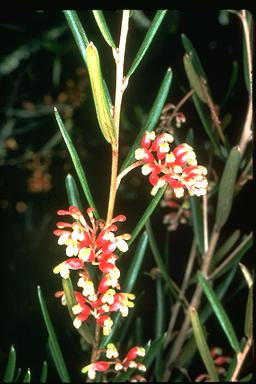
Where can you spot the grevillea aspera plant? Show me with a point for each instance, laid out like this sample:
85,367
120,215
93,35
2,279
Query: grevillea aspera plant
95,288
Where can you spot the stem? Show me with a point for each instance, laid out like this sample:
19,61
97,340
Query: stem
241,358
184,285
119,59
182,101
127,170
195,302
247,132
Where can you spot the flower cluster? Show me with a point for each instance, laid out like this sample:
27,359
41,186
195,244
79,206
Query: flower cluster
93,244
112,354
178,168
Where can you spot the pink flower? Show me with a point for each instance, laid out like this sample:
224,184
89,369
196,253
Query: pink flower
178,168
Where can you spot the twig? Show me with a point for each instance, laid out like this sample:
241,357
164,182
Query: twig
182,101
247,132
195,302
205,222
127,170
119,58
184,285
240,359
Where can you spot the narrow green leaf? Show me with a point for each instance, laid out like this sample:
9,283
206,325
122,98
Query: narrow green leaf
138,331
232,83
10,367
130,280
71,301
220,291
225,248
53,341
159,325
197,221
17,376
193,77
202,345
220,312
147,40
153,350
233,258
135,265
153,117
247,379
101,22
248,323
100,97
76,162
44,372
159,261
27,377
78,32
206,121
187,353
190,50
72,192
159,319
227,186
146,215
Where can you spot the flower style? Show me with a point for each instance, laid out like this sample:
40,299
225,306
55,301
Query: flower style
93,244
178,168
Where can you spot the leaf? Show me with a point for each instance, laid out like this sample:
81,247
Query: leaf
78,32
197,222
159,325
53,341
147,40
27,377
76,162
129,281
247,275
220,291
225,248
227,187
248,322
10,368
202,345
146,215
206,121
194,80
233,258
232,82
135,265
18,374
159,261
190,50
72,192
220,312
44,372
101,22
153,116
138,331
100,97
71,301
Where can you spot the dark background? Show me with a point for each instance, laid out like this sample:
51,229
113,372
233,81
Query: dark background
43,69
